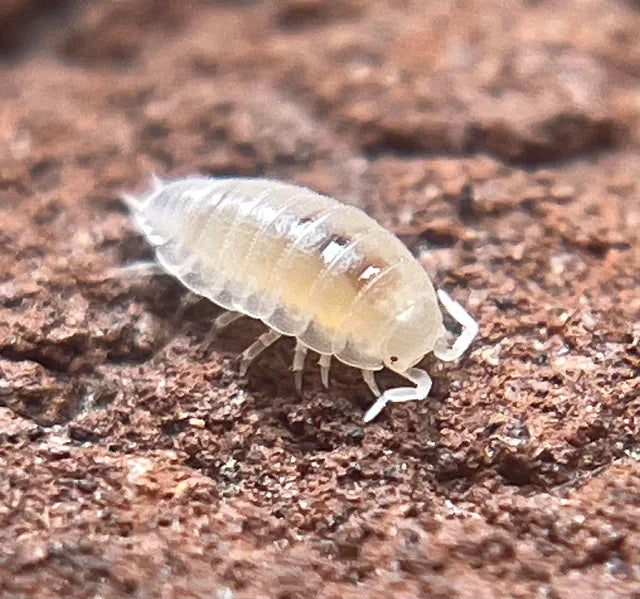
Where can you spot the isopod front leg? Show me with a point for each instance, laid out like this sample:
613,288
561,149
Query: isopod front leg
399,394
256,348
299,356
325,364
370,379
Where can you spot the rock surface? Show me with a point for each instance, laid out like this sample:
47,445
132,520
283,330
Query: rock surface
499,140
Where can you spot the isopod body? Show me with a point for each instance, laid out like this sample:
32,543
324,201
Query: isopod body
307,266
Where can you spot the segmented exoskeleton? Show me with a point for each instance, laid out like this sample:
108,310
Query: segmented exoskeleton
307,266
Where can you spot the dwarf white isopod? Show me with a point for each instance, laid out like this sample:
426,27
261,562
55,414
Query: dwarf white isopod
308,267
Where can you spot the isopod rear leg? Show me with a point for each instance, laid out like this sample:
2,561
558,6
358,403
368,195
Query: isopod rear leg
399,394
225,319
325,364
256,348
186,301
299,356
220,322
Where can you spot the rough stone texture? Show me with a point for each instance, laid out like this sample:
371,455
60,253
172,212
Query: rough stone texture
499,139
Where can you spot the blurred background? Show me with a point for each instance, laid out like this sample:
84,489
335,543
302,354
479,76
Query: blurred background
498,139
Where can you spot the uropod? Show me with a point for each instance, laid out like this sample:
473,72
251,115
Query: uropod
308,267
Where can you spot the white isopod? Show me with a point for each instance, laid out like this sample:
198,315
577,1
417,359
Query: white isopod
308,267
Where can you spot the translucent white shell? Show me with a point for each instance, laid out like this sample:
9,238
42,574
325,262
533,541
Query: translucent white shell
303,263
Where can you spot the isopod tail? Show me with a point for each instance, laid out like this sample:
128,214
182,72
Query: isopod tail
136,204
156,182
139,207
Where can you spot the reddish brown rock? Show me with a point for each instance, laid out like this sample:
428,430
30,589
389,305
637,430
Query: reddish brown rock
499,140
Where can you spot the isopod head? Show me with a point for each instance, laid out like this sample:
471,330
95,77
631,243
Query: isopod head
412,334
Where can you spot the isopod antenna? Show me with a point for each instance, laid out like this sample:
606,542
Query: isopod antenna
469,330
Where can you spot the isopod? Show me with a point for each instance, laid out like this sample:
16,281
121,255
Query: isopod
307,266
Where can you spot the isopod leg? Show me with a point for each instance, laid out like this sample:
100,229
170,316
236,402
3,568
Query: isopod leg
370,379
325,364
256,348
220,322
399,394
186,301
299,355
469,330
225,319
